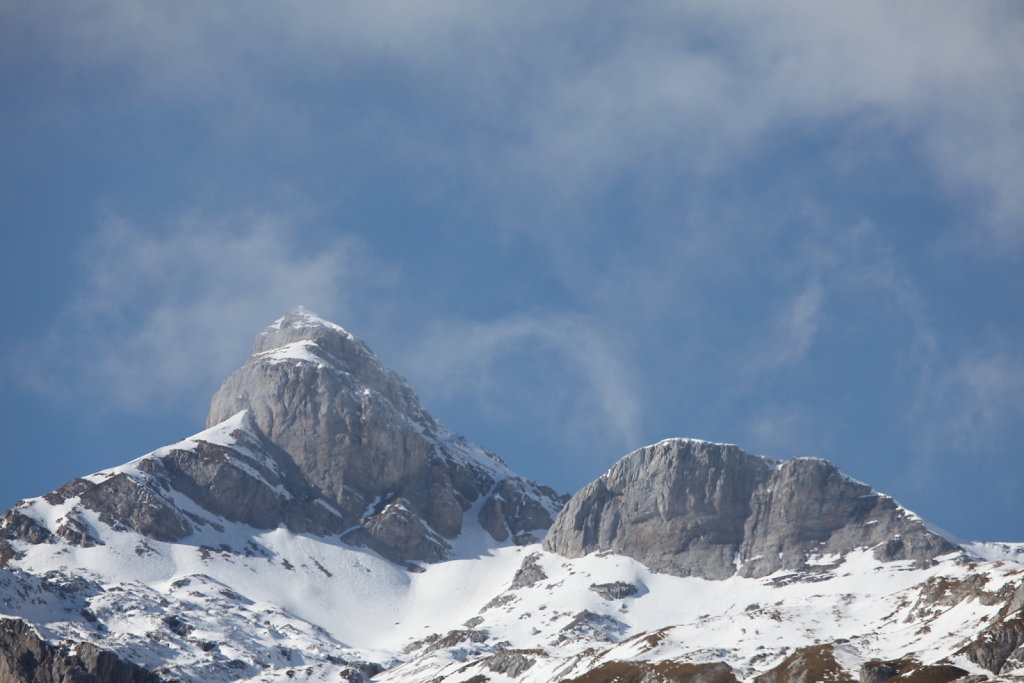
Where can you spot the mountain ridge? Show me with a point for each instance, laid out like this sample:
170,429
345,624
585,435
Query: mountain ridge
230,556
360,436
724,511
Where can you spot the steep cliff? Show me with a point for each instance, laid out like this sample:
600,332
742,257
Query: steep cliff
693,508
359,435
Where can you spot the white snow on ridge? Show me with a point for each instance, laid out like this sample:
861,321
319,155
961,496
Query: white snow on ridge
295,351
452,446
370,608
686,439
220,434
303,318
282,605
994,551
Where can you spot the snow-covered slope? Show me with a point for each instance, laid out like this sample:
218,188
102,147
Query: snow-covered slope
695,508
409,555
250,604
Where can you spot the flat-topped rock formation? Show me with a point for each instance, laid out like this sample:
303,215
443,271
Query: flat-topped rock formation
694,508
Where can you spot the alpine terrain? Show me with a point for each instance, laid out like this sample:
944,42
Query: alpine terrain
325,527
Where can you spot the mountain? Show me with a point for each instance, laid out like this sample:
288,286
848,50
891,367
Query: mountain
314,435
360,437
693,508
325,527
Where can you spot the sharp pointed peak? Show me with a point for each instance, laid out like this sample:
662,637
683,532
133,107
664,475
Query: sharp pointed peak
299,324
299,317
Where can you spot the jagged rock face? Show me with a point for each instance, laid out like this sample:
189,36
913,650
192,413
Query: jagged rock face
807,665
232,471
901,670
678,507
1000,647
529,572
27,658
323,397
264,492
397,528
229,557
509,663
818,663
315,435
361,438
878,672
693,508
617,590
808,506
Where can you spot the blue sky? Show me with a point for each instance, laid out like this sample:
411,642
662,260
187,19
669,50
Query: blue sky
577,229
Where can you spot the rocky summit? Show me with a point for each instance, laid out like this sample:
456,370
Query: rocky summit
325,527
360,437
313,434
693,508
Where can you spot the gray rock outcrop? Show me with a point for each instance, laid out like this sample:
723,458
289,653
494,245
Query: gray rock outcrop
235,473
27,658
360,437
895,671
875,671
693,508
510,663
529,572
1000,647
313,434
616,590
811,664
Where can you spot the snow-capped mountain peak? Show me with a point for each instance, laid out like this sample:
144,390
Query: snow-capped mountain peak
325,527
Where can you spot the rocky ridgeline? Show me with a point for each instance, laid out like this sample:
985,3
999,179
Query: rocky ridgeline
359,435
314,434
25,657
232,472
693,508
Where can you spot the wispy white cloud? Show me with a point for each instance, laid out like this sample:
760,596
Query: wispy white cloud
163,312
564,100
815,283
971,402
460,358
702,89
967,414
791,333
784,431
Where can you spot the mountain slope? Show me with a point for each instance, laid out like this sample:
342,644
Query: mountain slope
693,508
360,436
325,527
